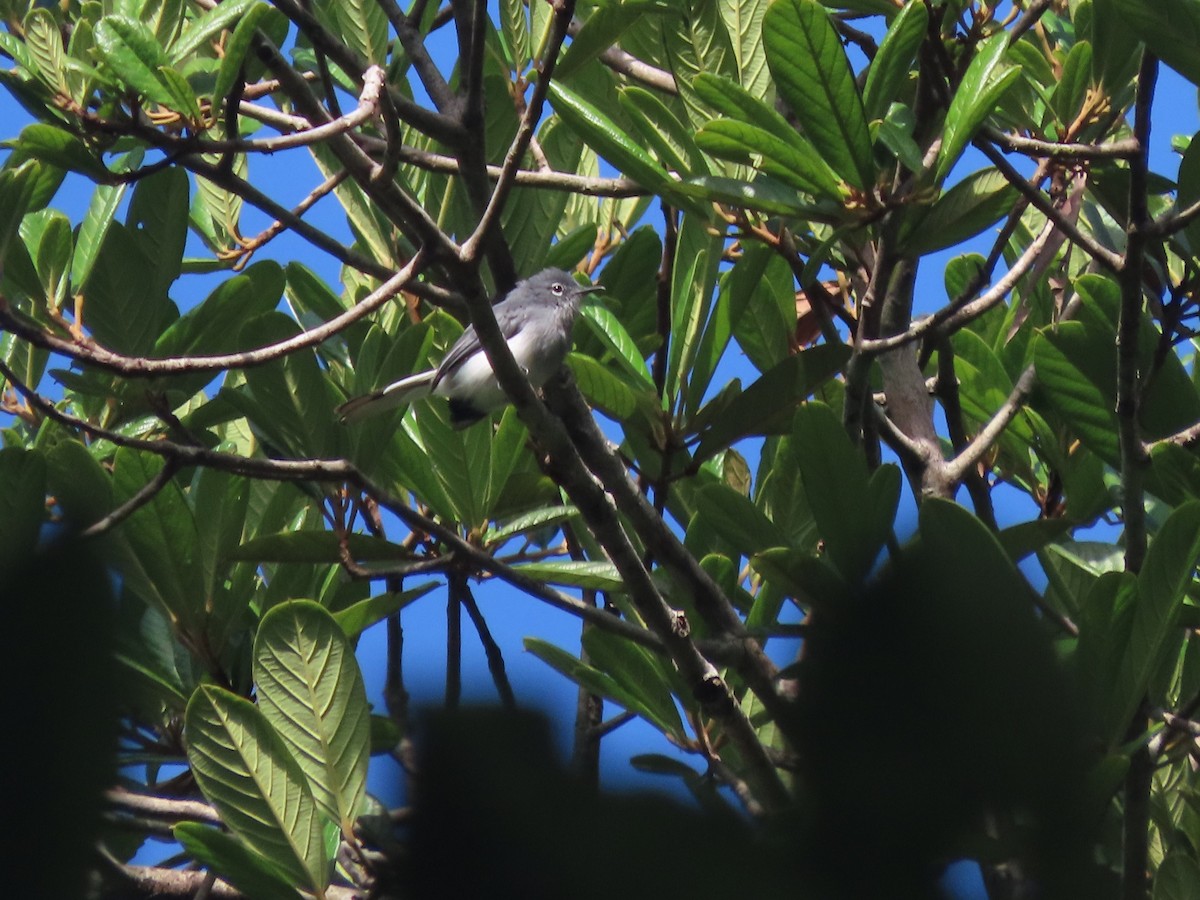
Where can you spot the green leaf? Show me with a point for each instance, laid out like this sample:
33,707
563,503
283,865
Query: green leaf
693,41
158,211
1170,28
737,520
604,325
16,192
888,74
975,203
43,42
766,406
132,52
604,389
1177,878
236,47
514,25
1167,574
162,567
693,280
285,392
533,520
814,76
245,770
603,135
317,547
82,487
101,212
670,139
1077,375
587,574
977,96
208,26
60,148
310,689
792,162
1189,188
461,460
743,21
364,27
355,619
226,856
639,672
763,194
1072,86
853,510
596,682
22,503
601,30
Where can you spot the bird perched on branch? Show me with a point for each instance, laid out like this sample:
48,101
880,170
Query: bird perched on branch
535,318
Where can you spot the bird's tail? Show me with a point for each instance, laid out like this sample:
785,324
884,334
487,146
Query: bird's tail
398,393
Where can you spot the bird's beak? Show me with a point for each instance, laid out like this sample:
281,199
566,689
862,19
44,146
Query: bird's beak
592,289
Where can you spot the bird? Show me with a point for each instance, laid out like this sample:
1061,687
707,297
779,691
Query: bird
535,317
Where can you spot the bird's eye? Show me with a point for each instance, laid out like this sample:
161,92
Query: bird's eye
557,288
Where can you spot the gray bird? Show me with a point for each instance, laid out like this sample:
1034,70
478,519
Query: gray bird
535,318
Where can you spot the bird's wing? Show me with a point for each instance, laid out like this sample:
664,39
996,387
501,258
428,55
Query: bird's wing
468,342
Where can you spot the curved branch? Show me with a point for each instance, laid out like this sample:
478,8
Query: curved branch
950,318
135,367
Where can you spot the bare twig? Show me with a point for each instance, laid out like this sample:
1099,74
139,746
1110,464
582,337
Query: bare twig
91,353
520,143
144,495
1106,257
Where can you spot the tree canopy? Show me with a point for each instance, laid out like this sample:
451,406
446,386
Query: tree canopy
761,186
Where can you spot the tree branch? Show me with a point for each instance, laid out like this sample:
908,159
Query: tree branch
90,353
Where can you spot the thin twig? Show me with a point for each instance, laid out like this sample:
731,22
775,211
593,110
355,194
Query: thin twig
1106,257
469,251
93,354
495,659
144,495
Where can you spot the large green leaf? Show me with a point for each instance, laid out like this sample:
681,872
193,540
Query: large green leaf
736,520
853,509
642,674
355,619
694,41
889,69
765,407
813,75
974,203
133,53
17,187
1077,374
1167,575
226,856
604,136
1170,29
1177,878
310,689
743,21
209,25
604,685
985,81
22,502
245,770
798,165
